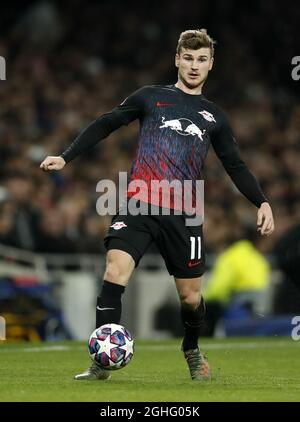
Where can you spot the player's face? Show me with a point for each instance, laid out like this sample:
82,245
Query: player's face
193,66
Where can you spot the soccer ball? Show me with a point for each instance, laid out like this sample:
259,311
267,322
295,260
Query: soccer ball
111,346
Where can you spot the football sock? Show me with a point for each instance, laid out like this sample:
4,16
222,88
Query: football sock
192,323
109,304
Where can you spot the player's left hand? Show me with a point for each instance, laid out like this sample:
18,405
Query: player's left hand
265,220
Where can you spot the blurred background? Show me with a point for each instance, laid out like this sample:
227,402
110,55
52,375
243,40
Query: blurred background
67,63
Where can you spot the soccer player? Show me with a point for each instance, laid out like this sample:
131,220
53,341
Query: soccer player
177,126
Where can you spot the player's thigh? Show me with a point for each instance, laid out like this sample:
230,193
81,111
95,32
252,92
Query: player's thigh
119,266
131,235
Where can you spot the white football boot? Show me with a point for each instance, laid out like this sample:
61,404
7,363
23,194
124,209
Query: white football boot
94,373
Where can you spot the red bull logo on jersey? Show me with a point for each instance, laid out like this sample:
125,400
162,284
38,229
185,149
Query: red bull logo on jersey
183,127
119,225
207,116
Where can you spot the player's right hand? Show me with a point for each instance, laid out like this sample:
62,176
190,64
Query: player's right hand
53,163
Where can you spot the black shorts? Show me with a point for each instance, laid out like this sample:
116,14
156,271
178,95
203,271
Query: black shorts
181,246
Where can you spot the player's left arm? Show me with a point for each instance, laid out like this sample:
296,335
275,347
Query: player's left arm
227,150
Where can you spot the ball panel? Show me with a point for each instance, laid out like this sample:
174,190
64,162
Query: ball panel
118,338
117,354
93,345
103,332
102,359
128,335
127,360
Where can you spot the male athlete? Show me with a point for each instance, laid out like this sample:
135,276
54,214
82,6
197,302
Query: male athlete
177,126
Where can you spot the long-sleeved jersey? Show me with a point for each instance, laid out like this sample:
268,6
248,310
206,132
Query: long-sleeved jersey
176,130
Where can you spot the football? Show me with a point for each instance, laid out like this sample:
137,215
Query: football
111,346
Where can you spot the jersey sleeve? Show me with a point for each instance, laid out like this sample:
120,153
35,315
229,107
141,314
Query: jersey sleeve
130,109
226,149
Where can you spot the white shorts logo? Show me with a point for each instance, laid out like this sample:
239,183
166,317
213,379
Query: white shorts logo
207,116
119,225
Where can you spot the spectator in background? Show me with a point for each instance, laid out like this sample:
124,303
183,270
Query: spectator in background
240,278
52,238
26,216
94,229
6,224
41,25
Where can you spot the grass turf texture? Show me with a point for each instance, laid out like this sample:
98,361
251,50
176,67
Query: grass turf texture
264,369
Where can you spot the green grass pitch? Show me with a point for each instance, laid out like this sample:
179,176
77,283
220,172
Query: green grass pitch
264,369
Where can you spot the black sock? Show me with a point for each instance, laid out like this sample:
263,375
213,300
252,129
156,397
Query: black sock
109,304
192,323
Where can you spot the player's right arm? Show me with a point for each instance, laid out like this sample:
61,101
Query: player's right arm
130,109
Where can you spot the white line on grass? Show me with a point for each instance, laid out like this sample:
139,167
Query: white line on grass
36,349
224,346
159,347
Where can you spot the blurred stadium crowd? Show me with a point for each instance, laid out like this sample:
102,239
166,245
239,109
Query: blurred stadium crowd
69,62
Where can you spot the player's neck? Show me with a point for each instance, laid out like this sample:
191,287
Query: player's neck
192,91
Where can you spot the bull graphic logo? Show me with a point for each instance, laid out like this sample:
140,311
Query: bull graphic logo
119,225
183,127
192,129
207,116
172,124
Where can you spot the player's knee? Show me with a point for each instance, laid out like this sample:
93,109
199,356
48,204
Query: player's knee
115,274
190,299
115,271
112,272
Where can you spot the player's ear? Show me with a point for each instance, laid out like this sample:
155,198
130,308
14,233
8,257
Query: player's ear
211,63
177,60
